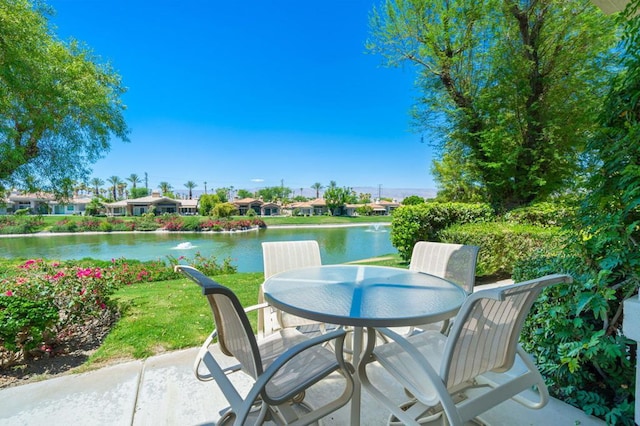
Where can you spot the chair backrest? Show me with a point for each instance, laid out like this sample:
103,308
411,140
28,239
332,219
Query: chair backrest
454,262
485,335
234,332
280,256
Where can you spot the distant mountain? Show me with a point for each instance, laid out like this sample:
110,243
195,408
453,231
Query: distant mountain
397,194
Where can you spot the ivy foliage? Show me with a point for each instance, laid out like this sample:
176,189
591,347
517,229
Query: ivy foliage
575,331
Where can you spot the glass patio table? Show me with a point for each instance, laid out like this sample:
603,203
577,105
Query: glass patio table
363,296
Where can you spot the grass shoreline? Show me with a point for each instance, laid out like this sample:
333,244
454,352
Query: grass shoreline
48,233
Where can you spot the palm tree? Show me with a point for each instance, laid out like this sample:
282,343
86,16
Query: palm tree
96,183
134,179
114,181
317,186
121,190
190,185
165,187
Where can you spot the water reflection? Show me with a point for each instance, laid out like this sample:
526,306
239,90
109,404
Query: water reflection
184,246
337,245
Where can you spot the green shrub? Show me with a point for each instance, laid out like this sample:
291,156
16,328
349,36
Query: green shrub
24,324
105,226
20,224
65,225
191,223
224,210
145,223
502,244
542,214
575,335
423,222
364,210
412,200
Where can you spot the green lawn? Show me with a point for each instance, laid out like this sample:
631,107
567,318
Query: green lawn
170,315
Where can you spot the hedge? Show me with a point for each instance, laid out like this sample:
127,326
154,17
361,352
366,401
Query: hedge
503,244
423,222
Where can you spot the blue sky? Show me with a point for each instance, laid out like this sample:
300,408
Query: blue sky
252,94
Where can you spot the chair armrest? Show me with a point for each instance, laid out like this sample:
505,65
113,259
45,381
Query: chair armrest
338,335
256,307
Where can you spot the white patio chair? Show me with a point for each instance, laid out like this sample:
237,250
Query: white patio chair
482,342
280,256
282,366
454,262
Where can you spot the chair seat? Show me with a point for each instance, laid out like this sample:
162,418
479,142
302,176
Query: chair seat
401,365
301,371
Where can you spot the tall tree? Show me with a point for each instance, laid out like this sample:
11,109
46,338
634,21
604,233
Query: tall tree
337,197
122,193
134,179
165,188
55,97
275,193
515,86
190,185
244,193
317,186
96,183
223,194
114,181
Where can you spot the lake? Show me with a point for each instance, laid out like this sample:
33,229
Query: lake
337,245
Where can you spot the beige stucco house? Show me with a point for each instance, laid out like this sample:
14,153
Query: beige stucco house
153,203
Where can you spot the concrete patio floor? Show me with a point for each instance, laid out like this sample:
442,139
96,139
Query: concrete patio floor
162,390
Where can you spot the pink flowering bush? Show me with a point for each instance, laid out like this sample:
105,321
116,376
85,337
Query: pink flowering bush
89,224
42,303
206,265
77,295
76,292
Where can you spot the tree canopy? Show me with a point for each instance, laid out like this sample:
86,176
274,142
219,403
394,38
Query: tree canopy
59,107
512,88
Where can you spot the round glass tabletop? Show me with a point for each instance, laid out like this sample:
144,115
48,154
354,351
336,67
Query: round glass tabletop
363,296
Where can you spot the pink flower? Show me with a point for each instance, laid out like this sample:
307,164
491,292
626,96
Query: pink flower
58,275
27,264
84,273
9,293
